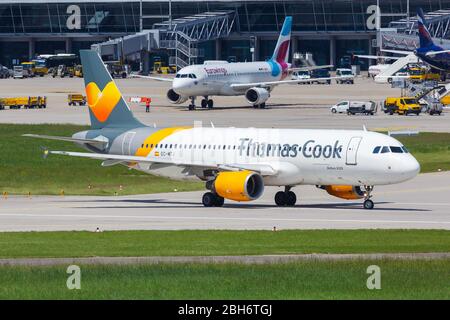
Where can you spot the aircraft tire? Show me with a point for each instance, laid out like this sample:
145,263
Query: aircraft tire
291,199
209,199
368,204
204,103
280,198
210,103
219,201
191,107
262,105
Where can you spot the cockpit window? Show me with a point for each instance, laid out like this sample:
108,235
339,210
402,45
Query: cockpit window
385,150
190,75
405,150
377,149
194,76
396,149
184,76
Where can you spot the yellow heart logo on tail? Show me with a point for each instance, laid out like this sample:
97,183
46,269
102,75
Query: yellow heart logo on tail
102,103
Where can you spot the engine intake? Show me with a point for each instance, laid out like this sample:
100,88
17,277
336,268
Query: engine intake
257,96
175,98
345,192
239,185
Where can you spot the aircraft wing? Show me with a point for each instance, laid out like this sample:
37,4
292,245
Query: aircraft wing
100,143
433,53
152,78
364,56
403,52
311,68
112,159
275,83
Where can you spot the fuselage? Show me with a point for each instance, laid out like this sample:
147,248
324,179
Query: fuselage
299,156
216,79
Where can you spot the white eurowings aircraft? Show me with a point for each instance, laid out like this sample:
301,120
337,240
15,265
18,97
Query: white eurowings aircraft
254,80
236,164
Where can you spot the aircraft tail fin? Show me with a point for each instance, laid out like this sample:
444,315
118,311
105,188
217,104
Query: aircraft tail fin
107,108
281,52
424,34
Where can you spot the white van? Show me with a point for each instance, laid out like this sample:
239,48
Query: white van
343,106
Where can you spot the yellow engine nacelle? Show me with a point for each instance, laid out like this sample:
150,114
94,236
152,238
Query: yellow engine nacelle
239,185
345,192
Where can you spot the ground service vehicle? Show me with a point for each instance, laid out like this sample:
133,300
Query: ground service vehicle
26,102
39,69
418,74
301,75
63,71
317,74
435,108
76,98
366,107
78,71
4,72
118,70
345,76
402,105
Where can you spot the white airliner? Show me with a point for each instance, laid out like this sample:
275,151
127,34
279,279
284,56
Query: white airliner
254,80
236,164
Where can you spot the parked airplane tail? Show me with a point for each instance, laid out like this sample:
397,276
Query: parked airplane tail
107,108
281,53
424,35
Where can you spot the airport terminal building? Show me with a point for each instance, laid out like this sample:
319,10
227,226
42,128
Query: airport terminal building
188,31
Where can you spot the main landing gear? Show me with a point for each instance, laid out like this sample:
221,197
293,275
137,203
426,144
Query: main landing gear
285,198
211,199
260,106
207,103
368,204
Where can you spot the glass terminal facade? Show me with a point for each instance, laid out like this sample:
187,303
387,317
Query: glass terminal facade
330,29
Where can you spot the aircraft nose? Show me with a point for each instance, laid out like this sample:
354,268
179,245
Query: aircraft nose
410,168
407,168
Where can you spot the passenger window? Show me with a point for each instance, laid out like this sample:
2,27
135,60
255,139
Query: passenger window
385,150
377,149
396,149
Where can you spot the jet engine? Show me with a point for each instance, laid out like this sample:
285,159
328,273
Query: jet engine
175,98
345,192
256,96
238,185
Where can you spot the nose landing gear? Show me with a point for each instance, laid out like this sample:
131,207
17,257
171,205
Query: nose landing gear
368,204
285,198
192,104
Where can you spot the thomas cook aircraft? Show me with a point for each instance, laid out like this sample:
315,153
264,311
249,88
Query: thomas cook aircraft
237,163
254,80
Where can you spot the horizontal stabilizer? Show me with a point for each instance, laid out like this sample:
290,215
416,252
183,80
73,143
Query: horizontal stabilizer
100,143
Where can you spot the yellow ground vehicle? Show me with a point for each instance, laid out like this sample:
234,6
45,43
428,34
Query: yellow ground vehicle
26,102
401,105
76,98
446,100
417,74
159,67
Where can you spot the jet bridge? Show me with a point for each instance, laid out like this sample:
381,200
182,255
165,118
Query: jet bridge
179,37
403,34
